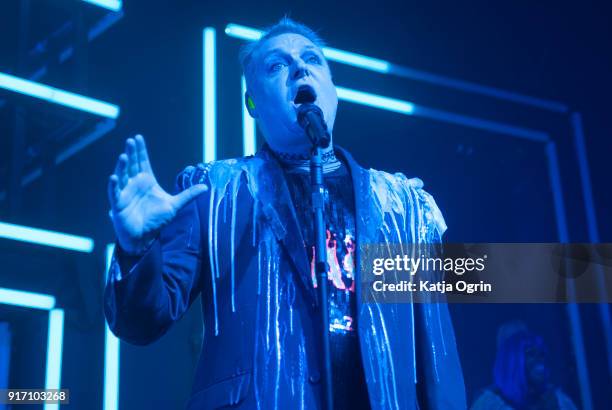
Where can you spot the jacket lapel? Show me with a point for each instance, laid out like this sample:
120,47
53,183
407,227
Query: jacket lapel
277,206
279,212
363,195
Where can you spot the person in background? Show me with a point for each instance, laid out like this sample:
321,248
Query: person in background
521,375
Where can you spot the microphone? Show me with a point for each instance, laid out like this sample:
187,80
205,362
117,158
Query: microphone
310,117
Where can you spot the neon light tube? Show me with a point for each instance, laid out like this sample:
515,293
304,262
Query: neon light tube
373,100
44,237
210,108
57,96
26,299
332,54
55,339
248,127
112,5
111,354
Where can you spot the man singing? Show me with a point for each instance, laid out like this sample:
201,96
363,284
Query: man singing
239,233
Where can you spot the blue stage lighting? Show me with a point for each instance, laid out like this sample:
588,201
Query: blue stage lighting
44,237
356,60
55,335
26,299
373,100
210,103
249,141
243,32
332,54
57,96
55,338
112,5
111,355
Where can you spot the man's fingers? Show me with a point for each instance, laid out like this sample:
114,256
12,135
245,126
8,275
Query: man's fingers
121,171
130,150
142,154
113,190
187,195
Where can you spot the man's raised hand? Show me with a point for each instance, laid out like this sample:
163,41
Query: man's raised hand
139,206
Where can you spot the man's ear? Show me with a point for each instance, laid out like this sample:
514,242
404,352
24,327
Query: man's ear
250,104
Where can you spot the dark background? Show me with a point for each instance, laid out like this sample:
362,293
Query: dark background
490,187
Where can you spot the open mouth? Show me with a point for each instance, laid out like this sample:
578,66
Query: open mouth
305,95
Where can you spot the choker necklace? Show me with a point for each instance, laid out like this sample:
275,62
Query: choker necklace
290,156
301,162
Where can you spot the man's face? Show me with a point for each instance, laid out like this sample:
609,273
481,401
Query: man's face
535,367
279,67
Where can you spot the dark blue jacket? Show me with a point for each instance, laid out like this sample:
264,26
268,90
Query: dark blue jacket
239,246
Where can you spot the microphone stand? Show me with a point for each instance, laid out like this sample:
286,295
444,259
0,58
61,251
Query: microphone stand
310,118
318,209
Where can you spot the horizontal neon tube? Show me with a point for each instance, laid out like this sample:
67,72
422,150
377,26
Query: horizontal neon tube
374,100
243,32
26,299
356,60
57,96
112,5
332,54
44,237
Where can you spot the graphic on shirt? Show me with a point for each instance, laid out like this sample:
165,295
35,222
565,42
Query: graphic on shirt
340,242
340,276
348,262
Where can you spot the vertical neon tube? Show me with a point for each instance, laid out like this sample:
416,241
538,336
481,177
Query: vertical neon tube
591,216
249,141
55,338
209,90
572,308
111,354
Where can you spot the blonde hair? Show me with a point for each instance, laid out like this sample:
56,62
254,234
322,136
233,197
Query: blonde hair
285,25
